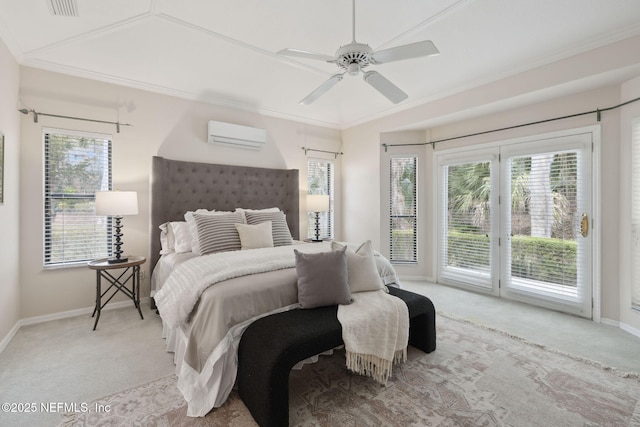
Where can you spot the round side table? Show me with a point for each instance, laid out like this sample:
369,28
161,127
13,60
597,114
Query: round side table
118,281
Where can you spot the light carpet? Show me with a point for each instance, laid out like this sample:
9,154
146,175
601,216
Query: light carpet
476,377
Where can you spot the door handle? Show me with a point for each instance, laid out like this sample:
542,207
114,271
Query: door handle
584,225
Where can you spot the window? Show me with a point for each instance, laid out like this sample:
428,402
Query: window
320,181
466,222
635,213
510,219
76,165
403,223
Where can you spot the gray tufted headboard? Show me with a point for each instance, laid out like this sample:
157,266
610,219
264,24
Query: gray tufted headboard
178,186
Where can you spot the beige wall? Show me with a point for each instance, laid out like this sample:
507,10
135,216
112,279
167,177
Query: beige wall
630,90
10,210
162,125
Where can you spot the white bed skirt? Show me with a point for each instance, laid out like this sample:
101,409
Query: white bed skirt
211,387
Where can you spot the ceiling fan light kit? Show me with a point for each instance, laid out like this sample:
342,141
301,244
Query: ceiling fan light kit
354,57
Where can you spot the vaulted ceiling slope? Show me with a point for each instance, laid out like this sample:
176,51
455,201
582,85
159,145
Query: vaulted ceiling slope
225,51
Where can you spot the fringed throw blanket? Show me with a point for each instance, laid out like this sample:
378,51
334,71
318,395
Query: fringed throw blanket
375,331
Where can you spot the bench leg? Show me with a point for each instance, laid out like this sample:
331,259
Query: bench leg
422,332
422,327
266,395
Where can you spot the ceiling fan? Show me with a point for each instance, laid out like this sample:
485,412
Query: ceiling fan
354,57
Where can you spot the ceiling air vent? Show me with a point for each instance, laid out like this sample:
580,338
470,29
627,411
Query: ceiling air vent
63,7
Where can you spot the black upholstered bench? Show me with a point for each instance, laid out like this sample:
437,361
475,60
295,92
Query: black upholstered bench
272,345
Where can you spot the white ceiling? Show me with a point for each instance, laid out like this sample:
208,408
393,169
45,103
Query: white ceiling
224,51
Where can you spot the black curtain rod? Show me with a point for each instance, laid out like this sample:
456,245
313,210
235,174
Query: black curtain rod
598,113
36,114
335,153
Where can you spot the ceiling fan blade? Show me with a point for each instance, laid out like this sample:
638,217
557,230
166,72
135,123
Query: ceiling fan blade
392,92
304,54
324,87
407,51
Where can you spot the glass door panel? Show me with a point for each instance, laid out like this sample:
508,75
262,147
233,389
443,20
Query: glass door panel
468,192
546,258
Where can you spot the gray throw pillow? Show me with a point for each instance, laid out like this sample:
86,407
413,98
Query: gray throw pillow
322,278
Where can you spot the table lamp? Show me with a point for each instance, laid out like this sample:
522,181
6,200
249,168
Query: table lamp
317,203
117,204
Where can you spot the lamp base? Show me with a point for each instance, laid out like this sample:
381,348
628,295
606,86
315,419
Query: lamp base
117,234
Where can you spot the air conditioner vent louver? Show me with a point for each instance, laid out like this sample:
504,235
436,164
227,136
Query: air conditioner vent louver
63,7
236,136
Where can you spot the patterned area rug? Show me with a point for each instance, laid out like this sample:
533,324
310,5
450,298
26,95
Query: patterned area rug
476,377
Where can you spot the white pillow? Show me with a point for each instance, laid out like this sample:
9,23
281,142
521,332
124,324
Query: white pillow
386,270
164,239
362,272
188,216
255,236
181,235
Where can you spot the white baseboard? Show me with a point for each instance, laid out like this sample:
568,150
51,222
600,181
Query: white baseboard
609,322
630,329
623,326
62,315
7,339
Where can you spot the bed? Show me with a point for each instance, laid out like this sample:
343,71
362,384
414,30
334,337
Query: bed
202,324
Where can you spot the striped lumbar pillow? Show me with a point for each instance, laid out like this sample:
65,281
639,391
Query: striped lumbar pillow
279,227
218,233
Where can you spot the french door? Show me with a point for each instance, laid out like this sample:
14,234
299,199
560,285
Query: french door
515,221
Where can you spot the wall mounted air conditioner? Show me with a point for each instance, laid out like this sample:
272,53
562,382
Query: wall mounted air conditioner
236,136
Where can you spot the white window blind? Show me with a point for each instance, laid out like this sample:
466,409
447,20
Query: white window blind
76,165
403,221
546,202
635,213
466,246
320,181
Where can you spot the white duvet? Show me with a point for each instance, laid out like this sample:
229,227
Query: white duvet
179,294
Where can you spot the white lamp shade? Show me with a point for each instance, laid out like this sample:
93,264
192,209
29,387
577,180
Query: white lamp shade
317,203
117,203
